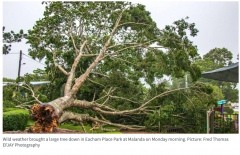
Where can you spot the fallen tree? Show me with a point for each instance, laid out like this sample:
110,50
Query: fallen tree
96,34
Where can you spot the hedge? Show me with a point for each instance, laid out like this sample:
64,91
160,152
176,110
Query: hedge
15,120
228,110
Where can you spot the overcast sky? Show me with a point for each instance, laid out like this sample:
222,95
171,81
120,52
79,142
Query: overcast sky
217,23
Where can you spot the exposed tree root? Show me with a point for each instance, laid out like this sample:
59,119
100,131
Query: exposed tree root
46,118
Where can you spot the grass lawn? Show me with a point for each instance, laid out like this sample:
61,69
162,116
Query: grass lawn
79,128
30,122
237,112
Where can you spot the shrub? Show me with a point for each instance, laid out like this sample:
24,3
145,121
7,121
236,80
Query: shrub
228,110
15,120
8,104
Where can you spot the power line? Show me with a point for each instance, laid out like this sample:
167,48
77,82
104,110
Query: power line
12,53
30,58
34,61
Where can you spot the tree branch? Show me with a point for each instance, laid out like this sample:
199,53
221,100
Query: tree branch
89,55
29,88
100,74
77,51
59,67
136,24
96,82
72,73
84,130
85,117
85,75
137,45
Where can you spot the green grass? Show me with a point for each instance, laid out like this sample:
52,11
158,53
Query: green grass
30,122
9,109
79,128
237,112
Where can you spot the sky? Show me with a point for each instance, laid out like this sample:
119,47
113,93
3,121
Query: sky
217,22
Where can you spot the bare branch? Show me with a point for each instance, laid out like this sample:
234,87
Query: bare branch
124,99
118,125
88,71
94,96
137,45
85,117
59,67
33,94
135,23
77,51
163,94
84,130
86,104
25,103
72,73
139,109
29,88
188,99
122,45
95,82
89,55
105,101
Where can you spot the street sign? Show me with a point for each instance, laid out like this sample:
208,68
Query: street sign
221,102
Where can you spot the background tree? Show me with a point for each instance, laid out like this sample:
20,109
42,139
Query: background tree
220,56
98,51
38,75
11,37
8,80
214,59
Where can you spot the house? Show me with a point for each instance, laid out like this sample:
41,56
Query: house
36,84
236,106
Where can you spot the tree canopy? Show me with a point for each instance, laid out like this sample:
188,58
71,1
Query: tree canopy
66,26
220,56
97,52
214,59
11,37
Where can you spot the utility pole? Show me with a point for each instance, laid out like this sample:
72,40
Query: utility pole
19,66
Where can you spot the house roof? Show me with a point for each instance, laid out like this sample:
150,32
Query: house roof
33,83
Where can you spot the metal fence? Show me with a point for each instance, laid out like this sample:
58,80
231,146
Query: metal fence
226,123
180,121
